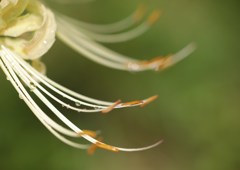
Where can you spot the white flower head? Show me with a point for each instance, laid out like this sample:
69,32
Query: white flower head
27,31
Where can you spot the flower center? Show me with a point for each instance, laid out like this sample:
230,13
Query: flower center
27,27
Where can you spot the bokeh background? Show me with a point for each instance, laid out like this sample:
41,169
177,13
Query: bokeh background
197,114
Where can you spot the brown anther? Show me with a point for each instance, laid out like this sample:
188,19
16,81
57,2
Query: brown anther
154,17
100,144
158,63
167,62
140,12
92,149
89,133
149,100
136,102
110,108
107,147
161,63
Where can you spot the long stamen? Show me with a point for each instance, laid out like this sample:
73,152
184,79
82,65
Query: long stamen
111,38
119,26
36,84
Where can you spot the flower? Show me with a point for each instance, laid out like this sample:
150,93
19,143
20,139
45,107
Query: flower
28,30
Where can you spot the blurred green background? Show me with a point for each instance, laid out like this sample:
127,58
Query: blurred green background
197,114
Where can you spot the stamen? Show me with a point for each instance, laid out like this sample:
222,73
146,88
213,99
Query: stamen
154,17
110,108
141,149
115,27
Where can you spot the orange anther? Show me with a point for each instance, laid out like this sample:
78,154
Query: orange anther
136,102
159,63
162,62
99,144
154,17
107,147
92,149
140,12
110,108
149,100
89,133
167,62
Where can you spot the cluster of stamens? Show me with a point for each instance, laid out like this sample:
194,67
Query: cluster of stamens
27,31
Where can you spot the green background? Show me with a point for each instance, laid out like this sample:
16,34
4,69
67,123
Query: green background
197,114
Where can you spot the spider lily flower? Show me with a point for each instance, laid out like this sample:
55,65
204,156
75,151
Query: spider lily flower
28,30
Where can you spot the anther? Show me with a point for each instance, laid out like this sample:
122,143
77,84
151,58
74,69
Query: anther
140,12
155,15
158,63
89,133
99,144
92,149
132,103
110,108
149,100
107,147
162,62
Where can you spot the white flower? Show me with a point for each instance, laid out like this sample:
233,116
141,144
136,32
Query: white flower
27,31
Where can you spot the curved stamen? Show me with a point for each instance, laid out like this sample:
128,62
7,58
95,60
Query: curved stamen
102,145
119,26
110,38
